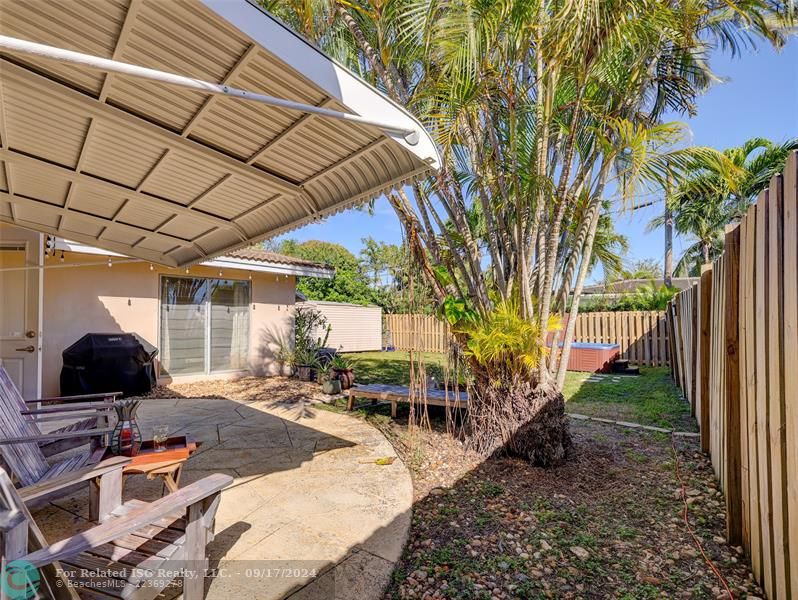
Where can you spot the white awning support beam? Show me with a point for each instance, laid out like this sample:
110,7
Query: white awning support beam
17,46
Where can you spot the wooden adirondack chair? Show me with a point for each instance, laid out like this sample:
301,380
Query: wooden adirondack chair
88,412
20,437
135,553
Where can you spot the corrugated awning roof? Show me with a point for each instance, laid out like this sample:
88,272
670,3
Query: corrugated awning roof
255,259
176,176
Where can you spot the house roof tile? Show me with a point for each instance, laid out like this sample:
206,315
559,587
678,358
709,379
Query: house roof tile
266,256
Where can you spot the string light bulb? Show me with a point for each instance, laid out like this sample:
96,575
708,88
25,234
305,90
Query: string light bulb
110,264
151,267
62,256
186,269
250,275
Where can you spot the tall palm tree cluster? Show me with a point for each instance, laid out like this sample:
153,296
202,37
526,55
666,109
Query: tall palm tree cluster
707,201
539,107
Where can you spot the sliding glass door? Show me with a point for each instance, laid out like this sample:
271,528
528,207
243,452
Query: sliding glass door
183,325
229,330
204,325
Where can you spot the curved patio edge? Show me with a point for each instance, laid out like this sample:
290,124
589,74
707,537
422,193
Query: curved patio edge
311,512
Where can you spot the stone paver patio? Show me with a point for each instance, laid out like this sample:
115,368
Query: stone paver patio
309,515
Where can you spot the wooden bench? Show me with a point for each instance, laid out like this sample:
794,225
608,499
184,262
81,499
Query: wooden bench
399,393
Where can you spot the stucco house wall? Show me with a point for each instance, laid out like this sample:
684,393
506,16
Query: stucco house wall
125,298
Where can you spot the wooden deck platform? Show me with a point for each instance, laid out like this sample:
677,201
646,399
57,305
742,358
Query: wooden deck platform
399,393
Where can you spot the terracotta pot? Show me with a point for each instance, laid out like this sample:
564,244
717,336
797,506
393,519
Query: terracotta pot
345,376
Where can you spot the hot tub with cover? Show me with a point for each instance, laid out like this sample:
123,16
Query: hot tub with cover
593,358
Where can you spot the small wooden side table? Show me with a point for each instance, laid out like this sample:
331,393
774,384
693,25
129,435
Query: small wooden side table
168,464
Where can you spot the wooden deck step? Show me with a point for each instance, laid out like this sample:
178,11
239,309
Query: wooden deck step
620,364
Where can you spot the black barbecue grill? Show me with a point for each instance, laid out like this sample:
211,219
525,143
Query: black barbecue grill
108,362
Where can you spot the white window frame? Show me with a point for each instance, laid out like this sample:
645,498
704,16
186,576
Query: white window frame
207,307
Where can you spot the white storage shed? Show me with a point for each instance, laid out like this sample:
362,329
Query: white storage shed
355,328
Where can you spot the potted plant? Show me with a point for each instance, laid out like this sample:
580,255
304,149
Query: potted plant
286,357
329,385
305,363
308,323
342,371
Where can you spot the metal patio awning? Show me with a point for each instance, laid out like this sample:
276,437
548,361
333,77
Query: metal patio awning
175,175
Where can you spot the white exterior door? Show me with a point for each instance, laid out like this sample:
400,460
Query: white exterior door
20,286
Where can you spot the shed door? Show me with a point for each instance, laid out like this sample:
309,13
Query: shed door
20,344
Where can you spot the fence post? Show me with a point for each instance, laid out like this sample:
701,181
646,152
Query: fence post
790,357
732,383
671,325
705,336
742,329
776,393
694,337
763,426
748,390
680,319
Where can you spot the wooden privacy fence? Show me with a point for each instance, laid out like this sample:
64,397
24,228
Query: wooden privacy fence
642,335
424,333
736,344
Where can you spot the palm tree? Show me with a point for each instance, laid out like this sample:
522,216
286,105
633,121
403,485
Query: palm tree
643,269
609,247
706,201
538,106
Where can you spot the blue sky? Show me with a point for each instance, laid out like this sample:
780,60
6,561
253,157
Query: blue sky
758,97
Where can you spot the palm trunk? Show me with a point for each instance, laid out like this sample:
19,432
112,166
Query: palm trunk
491,233
705,247
417,248
580,280
517,417
592,218
553,233
546,82
394,87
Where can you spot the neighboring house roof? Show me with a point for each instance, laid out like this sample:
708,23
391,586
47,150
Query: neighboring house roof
272,257
332,303
103,154
249,259
625,286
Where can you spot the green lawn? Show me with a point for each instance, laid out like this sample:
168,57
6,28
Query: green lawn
650,399
392,367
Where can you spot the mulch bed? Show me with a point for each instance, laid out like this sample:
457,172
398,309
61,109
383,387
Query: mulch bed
608,524
243,389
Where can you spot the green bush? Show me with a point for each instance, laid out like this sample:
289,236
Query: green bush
646,297
308,324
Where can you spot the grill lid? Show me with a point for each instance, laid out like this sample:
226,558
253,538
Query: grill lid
107,347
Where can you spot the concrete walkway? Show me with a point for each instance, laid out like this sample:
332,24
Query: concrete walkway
310,514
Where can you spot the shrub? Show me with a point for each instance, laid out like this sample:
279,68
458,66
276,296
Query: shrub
307,323
646,297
